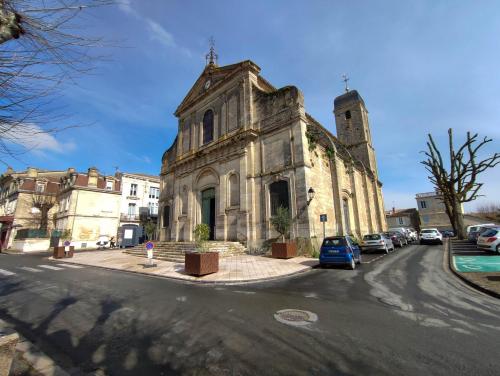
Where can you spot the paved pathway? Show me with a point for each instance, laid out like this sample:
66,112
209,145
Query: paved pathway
236,269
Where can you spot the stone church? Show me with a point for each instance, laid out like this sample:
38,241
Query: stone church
244,148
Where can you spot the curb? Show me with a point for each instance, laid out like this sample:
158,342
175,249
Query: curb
474,285
204,283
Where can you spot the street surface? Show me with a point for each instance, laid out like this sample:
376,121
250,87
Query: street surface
402,314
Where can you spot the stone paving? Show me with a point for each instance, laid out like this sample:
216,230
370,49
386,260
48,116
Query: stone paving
236,269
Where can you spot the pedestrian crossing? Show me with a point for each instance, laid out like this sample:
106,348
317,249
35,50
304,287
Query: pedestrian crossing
38,269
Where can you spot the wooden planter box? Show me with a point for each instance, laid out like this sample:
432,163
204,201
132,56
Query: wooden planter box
284,250
201,263
60,253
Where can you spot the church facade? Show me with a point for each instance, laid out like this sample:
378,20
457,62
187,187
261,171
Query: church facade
244,148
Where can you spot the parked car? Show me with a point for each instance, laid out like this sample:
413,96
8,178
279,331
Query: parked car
476,227
447,233
397,238
413,234
477,231
403,230
430,235
339,250
490,240
376,242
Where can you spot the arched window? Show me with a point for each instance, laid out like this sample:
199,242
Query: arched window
347,115
234,190
278,193
208,126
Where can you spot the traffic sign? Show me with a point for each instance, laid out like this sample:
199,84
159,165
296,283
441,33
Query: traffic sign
323,218
149,245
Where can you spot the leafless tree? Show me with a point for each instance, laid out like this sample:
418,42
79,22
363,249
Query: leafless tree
490,211
458,182
43,202
42,47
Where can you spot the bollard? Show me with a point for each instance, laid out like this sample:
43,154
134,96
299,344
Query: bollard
8,343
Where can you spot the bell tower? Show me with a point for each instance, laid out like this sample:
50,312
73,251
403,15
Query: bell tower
353,129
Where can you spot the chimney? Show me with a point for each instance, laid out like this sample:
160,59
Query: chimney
93,174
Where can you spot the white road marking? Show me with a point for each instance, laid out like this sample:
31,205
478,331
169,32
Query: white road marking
6,272
28,269
50,267
70,266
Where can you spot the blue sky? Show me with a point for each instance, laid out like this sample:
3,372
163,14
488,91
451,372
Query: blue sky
421,66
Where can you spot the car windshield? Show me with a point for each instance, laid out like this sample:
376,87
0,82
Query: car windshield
332,242
428,231
490,232
371,237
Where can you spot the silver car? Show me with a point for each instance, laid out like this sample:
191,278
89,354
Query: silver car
376,242
490,240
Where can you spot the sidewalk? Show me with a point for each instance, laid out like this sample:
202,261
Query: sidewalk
475,267
232,270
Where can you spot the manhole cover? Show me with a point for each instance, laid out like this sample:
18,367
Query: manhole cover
295,317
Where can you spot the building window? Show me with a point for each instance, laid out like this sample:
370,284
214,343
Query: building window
278,193
154,192
400,220
425,218
208,126
347,222
109,185
131,210
166,216
347,115
184,200
153,208
423,205
40,187
133,190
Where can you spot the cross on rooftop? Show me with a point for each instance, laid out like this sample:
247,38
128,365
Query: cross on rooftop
211,57
345,78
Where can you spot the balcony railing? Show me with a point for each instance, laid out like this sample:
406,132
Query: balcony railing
129,217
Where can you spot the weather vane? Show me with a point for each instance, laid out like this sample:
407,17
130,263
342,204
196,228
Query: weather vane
211,57
345,79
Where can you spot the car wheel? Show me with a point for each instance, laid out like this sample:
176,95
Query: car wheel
352,266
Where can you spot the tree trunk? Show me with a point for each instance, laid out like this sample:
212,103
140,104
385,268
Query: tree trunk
44,218
459,218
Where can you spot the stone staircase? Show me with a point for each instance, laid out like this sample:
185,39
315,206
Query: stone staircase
174,251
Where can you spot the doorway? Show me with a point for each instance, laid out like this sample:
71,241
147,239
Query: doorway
208,210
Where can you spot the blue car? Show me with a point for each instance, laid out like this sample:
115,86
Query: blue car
339,250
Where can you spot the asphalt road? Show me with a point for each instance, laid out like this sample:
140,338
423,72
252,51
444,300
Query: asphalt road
403,314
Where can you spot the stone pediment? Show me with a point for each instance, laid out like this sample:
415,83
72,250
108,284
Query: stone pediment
216,76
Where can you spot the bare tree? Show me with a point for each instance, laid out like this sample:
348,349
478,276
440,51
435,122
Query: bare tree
489,211
43,202
458,182
42,47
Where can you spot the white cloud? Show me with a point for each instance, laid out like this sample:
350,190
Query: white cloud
31,137
160,34
157,32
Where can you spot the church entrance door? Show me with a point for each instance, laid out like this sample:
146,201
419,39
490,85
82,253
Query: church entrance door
208,210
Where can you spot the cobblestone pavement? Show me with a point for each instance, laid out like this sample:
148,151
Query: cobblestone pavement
231,269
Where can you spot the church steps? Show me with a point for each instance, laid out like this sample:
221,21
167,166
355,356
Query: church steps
174,251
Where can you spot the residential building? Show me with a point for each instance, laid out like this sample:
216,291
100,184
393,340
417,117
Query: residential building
431,211
140,195
403,218
88,207
27,201
244,148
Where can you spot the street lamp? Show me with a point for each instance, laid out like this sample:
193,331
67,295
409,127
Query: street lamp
310,195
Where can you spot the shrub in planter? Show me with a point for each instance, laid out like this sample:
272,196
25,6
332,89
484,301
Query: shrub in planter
281,223
201,262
